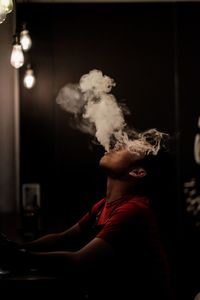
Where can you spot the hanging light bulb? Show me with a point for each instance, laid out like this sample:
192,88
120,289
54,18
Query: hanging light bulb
7,4
29,78
25,39
17,56
2,13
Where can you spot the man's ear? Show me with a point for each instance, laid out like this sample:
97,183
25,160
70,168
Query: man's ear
138,172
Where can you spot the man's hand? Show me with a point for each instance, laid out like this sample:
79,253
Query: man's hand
13,257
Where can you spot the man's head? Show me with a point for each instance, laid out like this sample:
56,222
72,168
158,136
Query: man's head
136,162
124,162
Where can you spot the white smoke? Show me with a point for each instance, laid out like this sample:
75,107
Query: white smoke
97,82
96,111
70,98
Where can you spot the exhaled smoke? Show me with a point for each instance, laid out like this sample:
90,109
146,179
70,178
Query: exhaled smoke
97,112
72,100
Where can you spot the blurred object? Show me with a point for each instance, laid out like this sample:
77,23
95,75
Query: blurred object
30,197
197,145
25,39
7,5
30,209
29,77
193,199
17,56
2,14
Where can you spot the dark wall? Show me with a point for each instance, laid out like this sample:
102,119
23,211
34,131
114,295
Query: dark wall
188,47
132,44
152,52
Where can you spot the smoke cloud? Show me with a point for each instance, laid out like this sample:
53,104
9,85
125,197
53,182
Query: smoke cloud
96,111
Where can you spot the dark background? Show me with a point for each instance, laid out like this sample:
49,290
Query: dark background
153,53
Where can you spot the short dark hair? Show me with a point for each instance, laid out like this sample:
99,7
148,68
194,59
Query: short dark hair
158,167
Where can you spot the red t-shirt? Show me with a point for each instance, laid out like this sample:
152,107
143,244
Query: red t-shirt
115,216
129,226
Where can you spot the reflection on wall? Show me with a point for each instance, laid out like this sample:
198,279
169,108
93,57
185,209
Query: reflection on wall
8,178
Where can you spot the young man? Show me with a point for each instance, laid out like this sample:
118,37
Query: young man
114,250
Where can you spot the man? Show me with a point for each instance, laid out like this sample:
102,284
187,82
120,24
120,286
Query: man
114,250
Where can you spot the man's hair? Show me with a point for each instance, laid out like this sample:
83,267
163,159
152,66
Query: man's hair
158,167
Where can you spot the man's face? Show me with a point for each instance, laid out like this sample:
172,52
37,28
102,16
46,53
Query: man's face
119,162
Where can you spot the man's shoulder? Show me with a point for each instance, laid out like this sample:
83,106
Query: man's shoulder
135,206
136,202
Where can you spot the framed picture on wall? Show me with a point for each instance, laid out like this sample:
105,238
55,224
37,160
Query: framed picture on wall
30,196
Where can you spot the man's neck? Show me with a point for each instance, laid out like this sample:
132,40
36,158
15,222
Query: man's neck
117,189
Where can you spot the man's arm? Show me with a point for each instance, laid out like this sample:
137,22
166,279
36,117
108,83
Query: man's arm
54,241
94,255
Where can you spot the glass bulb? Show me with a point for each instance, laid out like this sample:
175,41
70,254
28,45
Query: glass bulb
7,4
29,79
25,40
2,13
17,56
